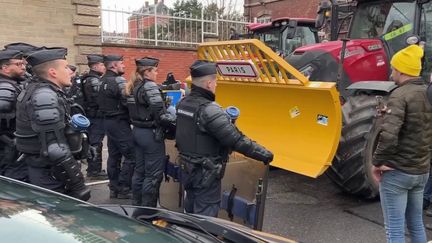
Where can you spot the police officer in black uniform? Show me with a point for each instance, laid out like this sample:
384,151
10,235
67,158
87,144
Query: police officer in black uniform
91,83
112,102
75,91
26,50
150,119
12,72
204,135
43,130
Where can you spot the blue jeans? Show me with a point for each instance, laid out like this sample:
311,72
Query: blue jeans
402,198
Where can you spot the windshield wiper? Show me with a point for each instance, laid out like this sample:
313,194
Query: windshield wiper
191,221
174,219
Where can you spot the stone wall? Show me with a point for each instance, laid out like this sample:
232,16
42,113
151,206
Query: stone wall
73,24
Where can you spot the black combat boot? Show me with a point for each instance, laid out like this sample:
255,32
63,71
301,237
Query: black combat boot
149,200
101,175
136,199
124,193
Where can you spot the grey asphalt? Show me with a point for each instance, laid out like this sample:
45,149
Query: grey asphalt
308,210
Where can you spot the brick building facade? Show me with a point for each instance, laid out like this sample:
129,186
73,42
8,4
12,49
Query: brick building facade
267,10
144,18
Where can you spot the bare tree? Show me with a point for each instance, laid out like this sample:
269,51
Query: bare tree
226,7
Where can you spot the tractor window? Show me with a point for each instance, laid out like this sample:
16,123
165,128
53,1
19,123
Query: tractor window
271,37
390,20
426,33
303,36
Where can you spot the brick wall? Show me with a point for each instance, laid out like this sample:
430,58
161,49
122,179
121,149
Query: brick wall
281,8
172,60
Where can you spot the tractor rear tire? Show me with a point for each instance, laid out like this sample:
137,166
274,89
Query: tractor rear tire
351,167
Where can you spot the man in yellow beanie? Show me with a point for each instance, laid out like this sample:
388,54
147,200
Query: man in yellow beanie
402,157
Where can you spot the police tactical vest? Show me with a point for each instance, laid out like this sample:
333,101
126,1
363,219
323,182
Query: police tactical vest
27,139
139,110
91,83
9,91
190,139
109,100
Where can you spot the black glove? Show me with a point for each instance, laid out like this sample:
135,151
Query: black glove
167,119
253,150
262,154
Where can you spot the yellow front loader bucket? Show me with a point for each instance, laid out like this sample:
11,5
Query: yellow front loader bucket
298,120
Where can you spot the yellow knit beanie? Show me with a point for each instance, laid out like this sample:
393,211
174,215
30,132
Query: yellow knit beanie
408,60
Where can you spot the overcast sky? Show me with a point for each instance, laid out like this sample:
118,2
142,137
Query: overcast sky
117,22
136,4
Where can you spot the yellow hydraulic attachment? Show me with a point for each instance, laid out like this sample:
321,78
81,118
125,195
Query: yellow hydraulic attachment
299,120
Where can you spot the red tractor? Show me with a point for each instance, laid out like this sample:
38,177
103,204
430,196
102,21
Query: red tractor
361,66
284,35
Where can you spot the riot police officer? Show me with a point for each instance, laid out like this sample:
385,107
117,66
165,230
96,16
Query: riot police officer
26,49
112,102
12,71
90,83
75,91
204,134
43,130
149,118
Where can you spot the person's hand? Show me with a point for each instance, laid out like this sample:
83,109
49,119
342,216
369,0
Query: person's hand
378,171
381,107
381,111
376,174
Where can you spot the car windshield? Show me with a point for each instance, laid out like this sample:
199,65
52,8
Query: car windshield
390,20
35,215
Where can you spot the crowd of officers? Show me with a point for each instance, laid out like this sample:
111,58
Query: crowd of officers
39,142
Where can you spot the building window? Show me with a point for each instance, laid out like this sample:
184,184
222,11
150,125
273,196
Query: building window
264,19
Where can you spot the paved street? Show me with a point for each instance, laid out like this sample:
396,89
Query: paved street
308,210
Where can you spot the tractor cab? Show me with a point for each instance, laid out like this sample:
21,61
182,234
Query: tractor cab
360,65
284,35
377,30
392,22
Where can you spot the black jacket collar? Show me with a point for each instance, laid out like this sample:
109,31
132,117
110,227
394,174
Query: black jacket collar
201,92
93,73
7,78
110,73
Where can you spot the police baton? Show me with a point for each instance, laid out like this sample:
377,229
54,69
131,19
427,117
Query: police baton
260,196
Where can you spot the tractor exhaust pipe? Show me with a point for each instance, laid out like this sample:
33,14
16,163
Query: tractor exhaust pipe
341,62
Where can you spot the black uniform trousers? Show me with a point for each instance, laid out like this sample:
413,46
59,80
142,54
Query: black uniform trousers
150,165
96,134
200,200
120,143
40,173
9,166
